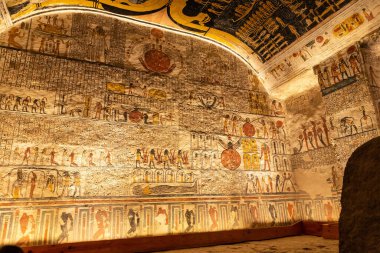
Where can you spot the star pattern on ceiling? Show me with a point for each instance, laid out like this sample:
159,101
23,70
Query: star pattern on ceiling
266,27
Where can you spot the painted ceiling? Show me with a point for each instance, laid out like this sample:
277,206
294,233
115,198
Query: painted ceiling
268,34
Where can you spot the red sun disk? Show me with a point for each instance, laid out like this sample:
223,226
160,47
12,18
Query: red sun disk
157,60
231,159
248,129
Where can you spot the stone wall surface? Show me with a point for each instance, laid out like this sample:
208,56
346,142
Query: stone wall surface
110,130
330,122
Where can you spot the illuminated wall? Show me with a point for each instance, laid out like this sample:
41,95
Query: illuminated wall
112,130
332,119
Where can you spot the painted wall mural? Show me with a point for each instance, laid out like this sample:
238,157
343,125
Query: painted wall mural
5,20
321,44
341,71
170,137
284,21
281,22
304,33
173,135
333,119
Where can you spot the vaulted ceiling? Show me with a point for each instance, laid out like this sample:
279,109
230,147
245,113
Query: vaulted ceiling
279,39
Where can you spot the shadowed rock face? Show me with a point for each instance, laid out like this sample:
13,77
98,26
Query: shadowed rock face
360,216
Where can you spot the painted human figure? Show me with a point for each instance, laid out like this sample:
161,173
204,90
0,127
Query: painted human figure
300,142
17,103
27,154
35,105
214,217
139,157
354,63
274,107
66,227
145,155
310,138
258,185
77,185
65,184
273,213
91,159
234,125
321,79
265,129
325,129
254,214
35,155
64,157
102,223
226,122
335,73
152,158
165,159
328,211
33,182
305,136
291,211
52,158
162,217
273,130
159,156
250,184
320,136
43,105
343,68
72,159
18,184
334,178
190,220
315,134
108,159
27,228
50,183
185,157
134,221
16,156
8,102
265,153
326,76
179,160
234,217
25,104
